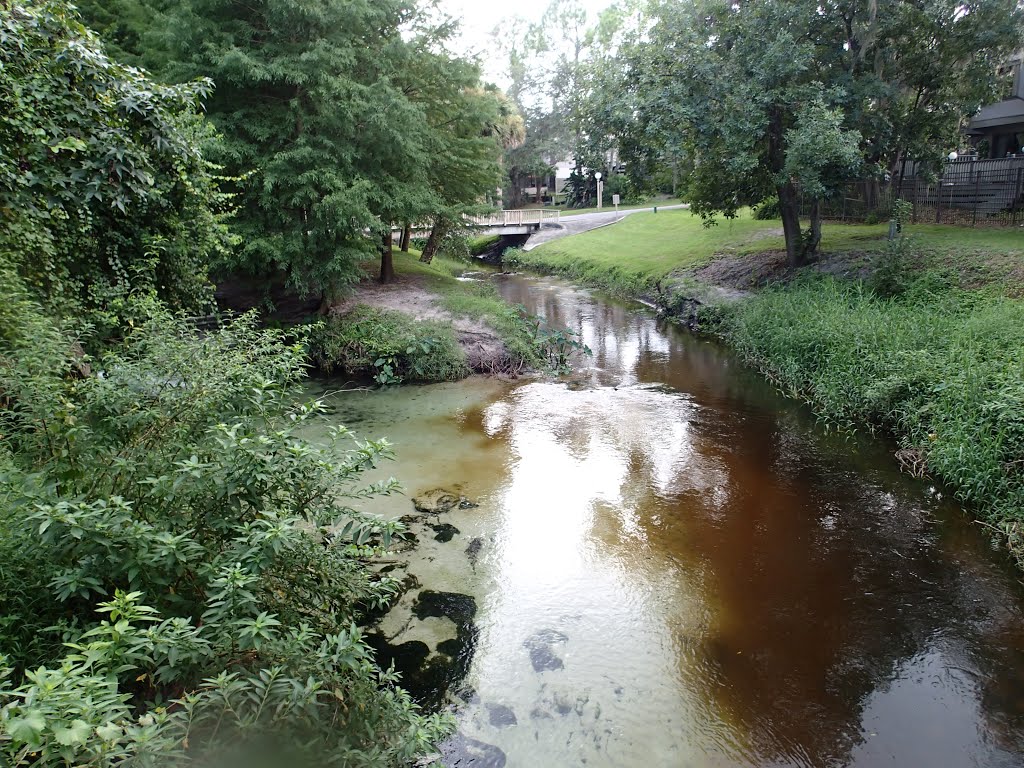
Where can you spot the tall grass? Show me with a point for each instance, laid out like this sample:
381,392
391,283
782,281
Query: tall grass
940,368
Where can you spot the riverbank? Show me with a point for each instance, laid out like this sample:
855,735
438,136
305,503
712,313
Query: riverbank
925,344
429,324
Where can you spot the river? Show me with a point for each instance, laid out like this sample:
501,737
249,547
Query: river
673,565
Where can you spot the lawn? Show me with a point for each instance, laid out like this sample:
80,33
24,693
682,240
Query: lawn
630,256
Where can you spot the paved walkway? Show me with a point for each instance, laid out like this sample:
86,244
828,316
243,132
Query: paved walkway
574,224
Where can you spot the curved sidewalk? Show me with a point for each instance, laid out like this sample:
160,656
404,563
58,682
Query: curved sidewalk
571,224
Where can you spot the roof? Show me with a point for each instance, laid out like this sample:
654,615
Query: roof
1006,114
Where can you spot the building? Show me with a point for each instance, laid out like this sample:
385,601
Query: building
1000,127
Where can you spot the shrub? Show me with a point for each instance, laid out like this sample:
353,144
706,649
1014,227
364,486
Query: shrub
205,564
768,209
388,347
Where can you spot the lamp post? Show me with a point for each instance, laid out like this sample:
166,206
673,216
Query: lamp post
600,189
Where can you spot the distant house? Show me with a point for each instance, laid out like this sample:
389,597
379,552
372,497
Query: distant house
1001,125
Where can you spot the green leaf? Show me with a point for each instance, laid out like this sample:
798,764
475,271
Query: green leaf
27,728
77,733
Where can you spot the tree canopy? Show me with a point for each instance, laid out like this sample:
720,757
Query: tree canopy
796,98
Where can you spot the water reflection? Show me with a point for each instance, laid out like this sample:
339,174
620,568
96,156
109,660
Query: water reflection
681,568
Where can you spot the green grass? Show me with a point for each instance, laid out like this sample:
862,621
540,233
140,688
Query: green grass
940,368
631,256
628,257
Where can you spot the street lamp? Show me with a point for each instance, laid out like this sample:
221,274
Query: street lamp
600,189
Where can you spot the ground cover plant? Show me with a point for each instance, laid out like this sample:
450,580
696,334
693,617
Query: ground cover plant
939,367
387,346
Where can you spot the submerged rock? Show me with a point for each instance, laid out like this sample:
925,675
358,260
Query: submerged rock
451,605
463,752
439,501
429,674
473,550
501,716
444,532
435,502
542,655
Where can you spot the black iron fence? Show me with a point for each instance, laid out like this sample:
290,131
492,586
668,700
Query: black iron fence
970,192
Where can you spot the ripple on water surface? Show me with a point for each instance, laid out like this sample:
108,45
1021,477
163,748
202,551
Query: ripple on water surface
672,566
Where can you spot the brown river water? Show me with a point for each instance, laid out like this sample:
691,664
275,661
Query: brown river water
673,565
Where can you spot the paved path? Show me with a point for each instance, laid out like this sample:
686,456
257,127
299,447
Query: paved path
574,224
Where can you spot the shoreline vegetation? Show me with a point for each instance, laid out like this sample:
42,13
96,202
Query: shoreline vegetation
434,322
921,339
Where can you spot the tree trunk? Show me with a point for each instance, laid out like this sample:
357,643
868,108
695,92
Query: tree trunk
387,263
789,207
434,241
406,237
800,247
813,239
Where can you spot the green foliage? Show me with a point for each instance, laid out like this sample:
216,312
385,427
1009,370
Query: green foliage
938,367
104,192
387,346
203,565
768,209
338,119
794,97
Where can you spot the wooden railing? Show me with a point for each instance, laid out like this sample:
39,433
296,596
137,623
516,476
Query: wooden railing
516,218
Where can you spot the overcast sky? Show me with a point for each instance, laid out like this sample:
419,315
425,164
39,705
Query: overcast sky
480,17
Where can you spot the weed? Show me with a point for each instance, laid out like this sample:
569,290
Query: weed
388,347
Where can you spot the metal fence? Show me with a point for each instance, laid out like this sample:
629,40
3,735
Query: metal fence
970,192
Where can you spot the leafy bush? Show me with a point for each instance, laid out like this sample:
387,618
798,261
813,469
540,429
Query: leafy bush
768,209
104,192
203,565
387,346
938,367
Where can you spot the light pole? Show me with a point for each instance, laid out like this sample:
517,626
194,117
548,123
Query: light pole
600,189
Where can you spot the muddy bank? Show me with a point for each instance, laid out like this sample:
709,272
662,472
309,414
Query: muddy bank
485,350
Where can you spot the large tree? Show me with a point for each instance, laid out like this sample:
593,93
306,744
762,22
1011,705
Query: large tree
104,192
795,97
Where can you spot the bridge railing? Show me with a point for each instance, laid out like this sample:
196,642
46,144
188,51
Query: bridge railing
515,218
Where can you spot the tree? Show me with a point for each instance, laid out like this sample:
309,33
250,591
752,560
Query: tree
313,122
797,98
104,190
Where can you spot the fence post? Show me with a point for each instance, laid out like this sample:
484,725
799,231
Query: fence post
913,213
977,189
1020,191
938,202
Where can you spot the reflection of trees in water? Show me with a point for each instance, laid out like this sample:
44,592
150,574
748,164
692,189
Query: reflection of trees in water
824,574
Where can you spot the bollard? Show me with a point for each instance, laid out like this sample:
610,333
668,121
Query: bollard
655,209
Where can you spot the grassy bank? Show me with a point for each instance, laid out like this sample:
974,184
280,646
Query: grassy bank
939,367
631,257
926,345
415,338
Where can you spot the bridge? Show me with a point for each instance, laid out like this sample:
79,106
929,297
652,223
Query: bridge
515,222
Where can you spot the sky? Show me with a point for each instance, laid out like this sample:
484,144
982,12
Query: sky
480,17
